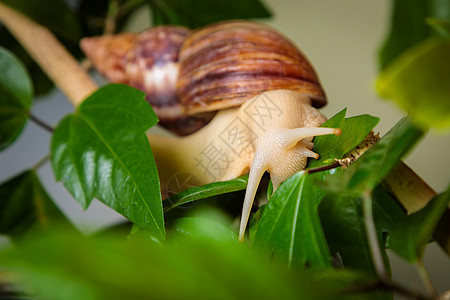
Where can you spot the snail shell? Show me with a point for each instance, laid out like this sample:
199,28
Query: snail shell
225,64
188,76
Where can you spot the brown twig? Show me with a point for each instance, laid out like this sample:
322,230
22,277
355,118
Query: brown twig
403,183
41,162
40,123
426,279
324,168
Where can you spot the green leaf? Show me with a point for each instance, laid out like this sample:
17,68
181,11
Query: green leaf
56,15
269,190
254,221
25,205
367,172
206,191
68,266
354,130
205,228
343,224
442,27
16,93
387,212
408,26
409,237
102,151
418,82
349,282
442,232
290,228
196,13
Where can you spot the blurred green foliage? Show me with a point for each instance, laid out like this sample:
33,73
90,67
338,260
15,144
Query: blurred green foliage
16,92
312,224
414,61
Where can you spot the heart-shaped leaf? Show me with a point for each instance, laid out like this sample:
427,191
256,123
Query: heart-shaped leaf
24,204
290,228
16,93
102,151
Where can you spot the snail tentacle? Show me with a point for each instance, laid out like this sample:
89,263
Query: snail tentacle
256,172
290,137
282,152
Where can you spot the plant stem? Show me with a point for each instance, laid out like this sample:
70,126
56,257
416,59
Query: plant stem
40,123
324,168
111,16
48,52
129,5
426,279
372,237
41,162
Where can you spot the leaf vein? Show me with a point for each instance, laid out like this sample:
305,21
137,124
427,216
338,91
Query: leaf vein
103,140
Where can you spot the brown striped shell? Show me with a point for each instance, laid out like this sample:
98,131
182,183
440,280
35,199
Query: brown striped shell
225,64
189,75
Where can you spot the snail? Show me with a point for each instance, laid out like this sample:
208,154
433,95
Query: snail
250,90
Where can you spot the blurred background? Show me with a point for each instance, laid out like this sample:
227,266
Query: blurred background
341,39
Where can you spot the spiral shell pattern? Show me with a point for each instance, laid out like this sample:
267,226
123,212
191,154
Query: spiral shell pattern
227,63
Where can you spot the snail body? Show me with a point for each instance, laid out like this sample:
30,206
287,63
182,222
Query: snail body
243,139
264,89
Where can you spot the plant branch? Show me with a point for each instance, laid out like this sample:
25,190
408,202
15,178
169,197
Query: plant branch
41,162
324,168
40,123
48,52
111,16
372,237
412,192
426,279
